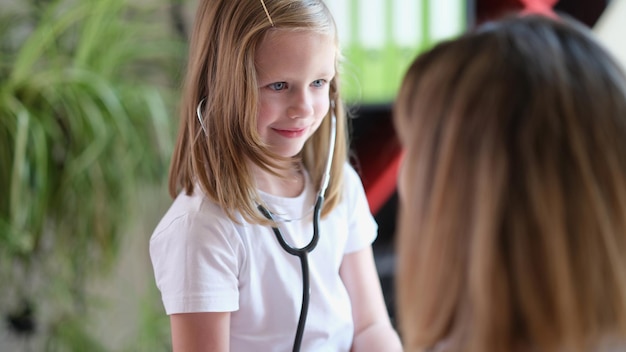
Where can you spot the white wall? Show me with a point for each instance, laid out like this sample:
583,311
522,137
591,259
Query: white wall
611,29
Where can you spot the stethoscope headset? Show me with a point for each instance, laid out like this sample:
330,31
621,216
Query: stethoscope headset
302,252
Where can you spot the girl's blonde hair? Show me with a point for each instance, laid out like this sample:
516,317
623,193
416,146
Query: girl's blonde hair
512,229
221,70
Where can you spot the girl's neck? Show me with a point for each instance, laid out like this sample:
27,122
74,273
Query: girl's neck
290,184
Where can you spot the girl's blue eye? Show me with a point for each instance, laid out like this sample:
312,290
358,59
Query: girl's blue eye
278,86
318,83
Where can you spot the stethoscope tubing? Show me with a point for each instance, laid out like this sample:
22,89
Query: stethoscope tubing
302,254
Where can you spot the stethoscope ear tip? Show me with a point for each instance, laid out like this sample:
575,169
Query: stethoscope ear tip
199,114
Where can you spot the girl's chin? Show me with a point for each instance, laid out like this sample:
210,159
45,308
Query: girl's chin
288,152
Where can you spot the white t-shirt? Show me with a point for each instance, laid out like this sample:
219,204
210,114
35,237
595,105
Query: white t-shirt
203,262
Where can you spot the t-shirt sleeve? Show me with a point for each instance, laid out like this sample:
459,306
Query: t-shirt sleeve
363,228
196,262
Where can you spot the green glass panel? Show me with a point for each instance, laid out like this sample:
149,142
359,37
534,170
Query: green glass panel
373,67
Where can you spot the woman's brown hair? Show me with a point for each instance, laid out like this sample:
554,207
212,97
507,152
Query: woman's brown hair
512,228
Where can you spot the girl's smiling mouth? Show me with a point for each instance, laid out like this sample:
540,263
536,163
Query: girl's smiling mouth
290,133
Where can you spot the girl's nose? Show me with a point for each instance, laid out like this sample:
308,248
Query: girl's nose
301,104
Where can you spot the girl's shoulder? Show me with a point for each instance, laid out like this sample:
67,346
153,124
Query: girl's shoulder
349,171
191,214
351,175
352,182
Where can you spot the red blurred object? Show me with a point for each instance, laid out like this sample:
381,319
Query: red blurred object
376,153
487,10
542,7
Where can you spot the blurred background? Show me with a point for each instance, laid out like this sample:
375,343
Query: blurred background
88,116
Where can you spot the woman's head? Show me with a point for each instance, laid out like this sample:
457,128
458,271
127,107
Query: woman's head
513,190
223,70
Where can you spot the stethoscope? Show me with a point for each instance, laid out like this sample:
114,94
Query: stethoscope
302,252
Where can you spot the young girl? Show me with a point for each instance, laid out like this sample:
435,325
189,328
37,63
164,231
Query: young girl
512,227
256,125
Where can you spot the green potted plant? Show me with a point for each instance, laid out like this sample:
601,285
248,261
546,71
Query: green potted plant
85,110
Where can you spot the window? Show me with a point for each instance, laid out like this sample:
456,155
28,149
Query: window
380,38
